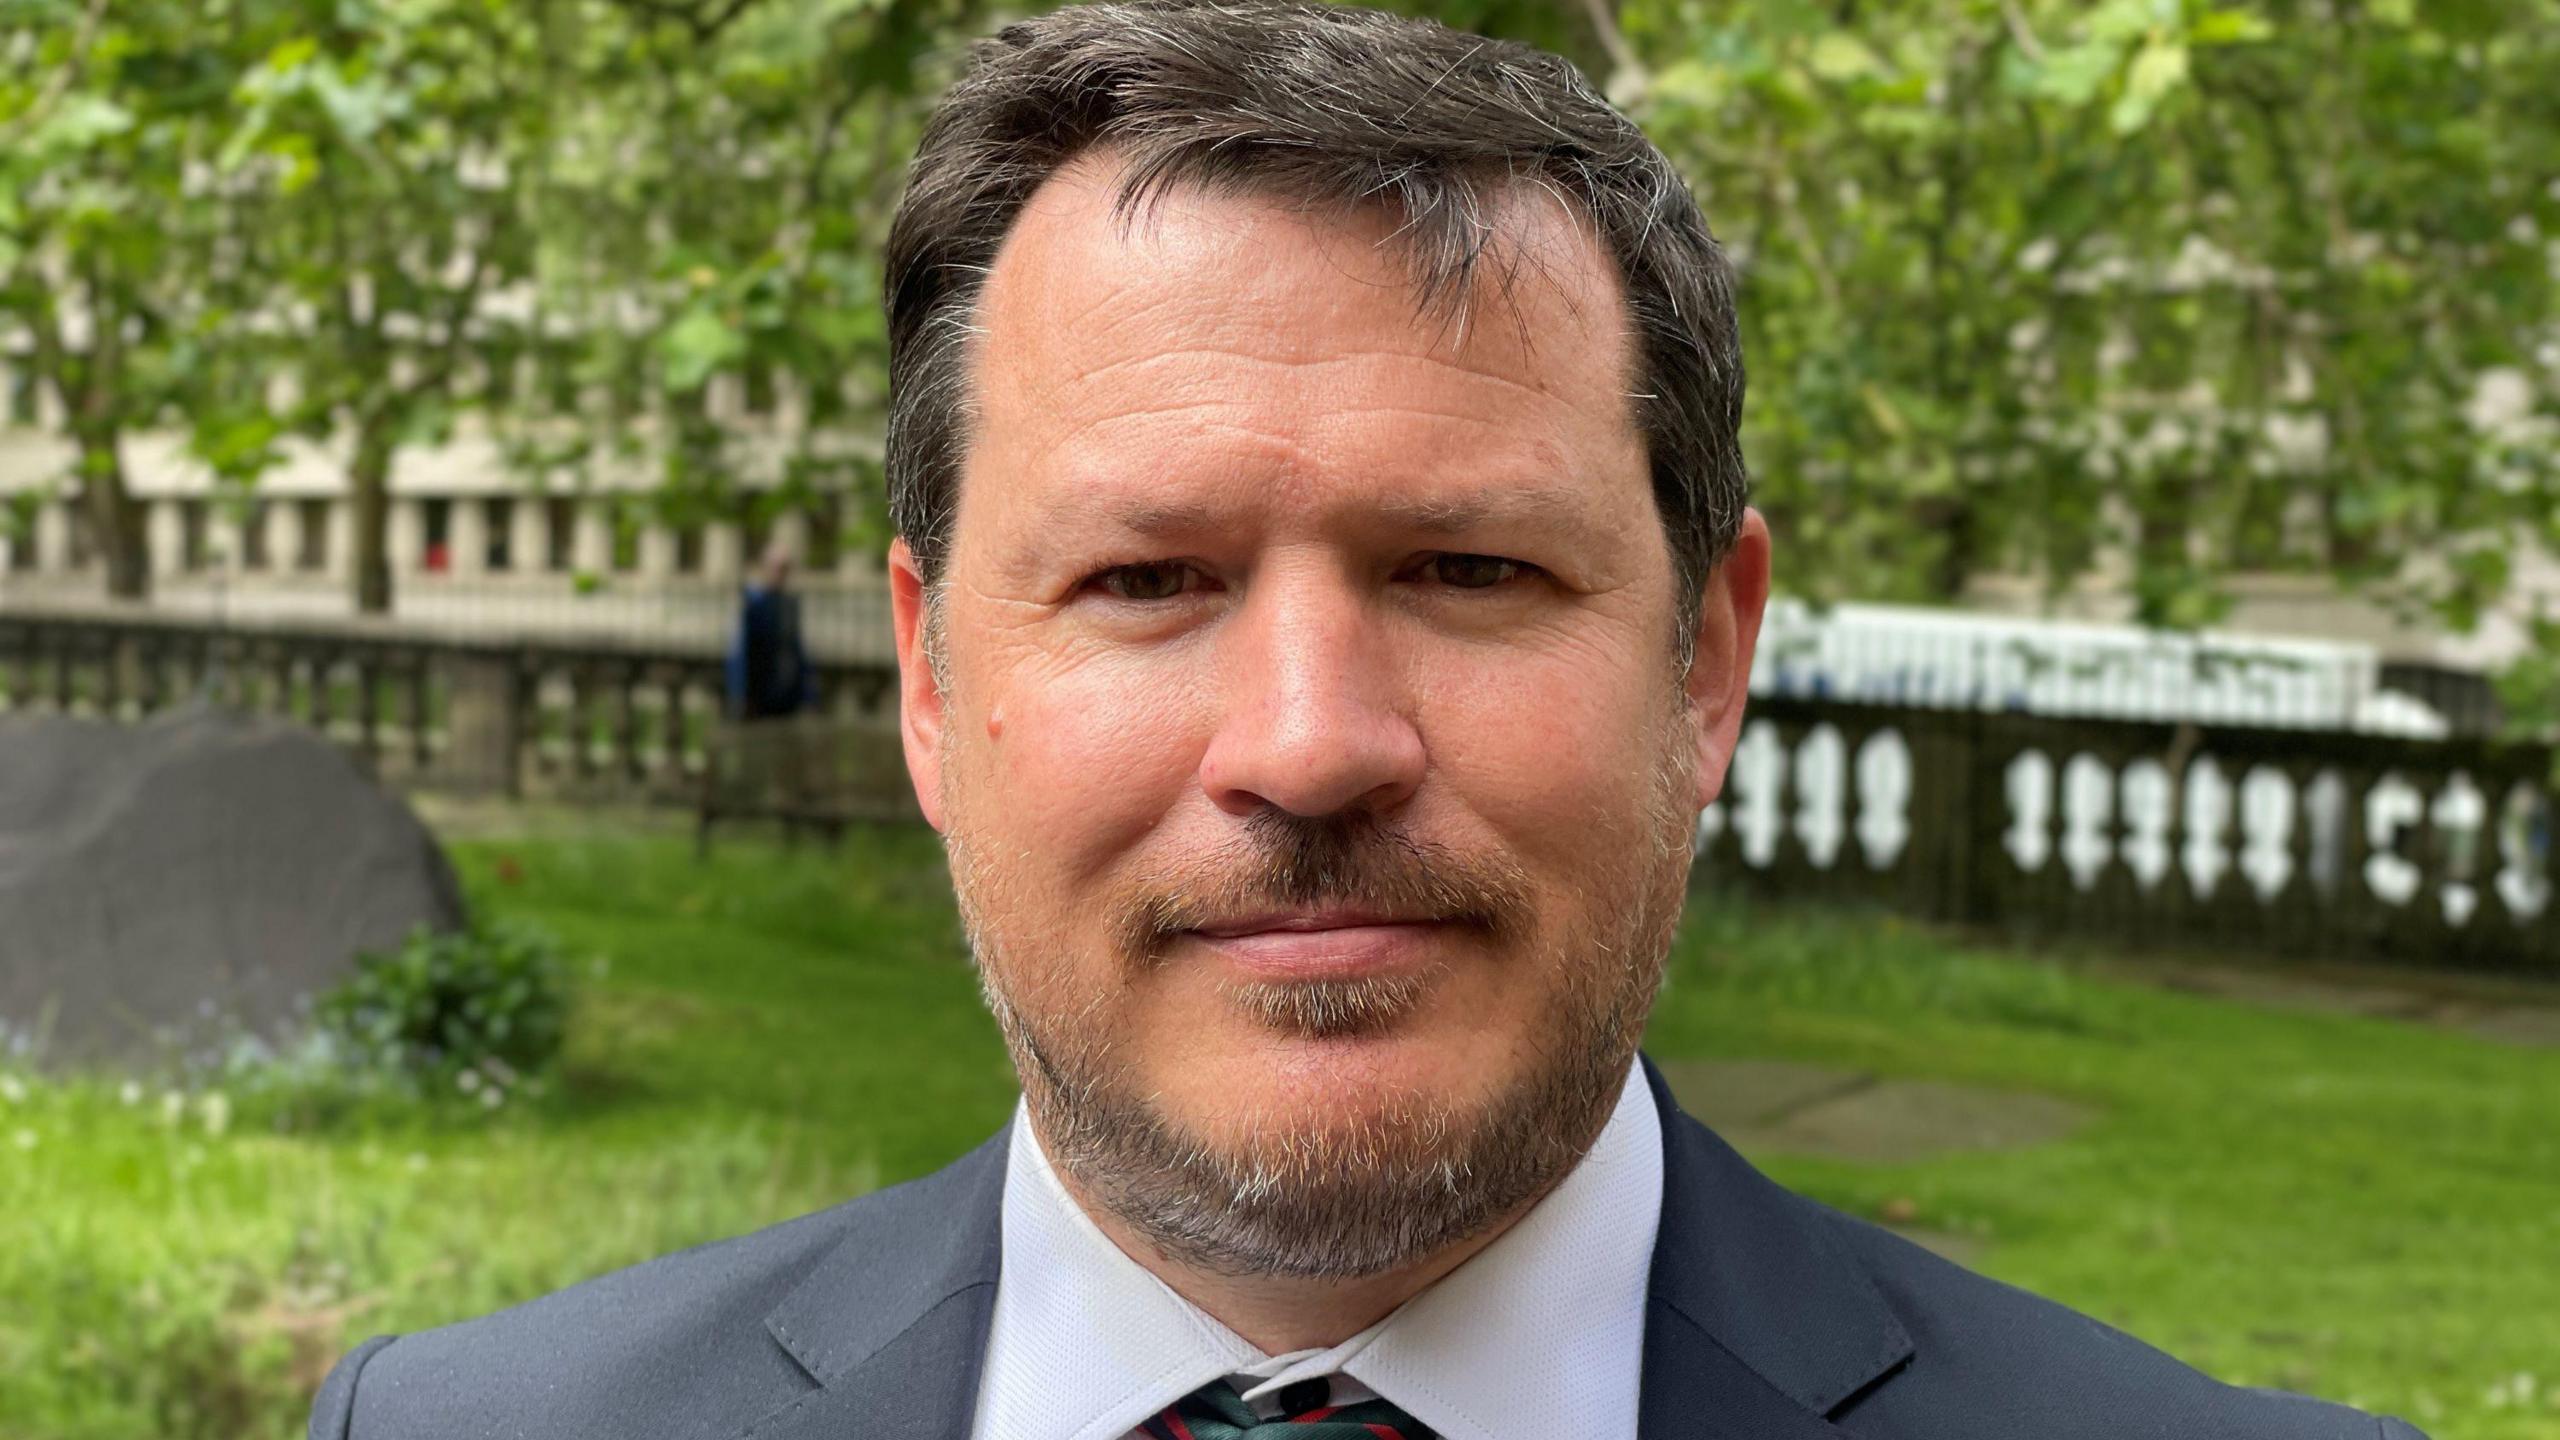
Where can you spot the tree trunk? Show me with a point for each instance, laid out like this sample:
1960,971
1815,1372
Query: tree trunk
1959,533
115,517
369,491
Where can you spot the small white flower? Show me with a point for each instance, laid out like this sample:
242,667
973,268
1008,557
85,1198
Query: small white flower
173,1107
12,1089
215,1110
131,1093
417,1161
2515,1391
493,1097
469,1080
24,1139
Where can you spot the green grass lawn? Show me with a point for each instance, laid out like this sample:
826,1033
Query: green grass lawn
2359,1208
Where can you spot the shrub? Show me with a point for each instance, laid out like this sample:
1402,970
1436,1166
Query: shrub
476,1013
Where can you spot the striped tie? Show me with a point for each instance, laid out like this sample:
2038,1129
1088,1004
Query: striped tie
1216,1412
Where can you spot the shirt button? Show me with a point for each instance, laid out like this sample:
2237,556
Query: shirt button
1300,1396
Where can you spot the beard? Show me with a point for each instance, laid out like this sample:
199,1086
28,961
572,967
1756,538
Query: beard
1280,1192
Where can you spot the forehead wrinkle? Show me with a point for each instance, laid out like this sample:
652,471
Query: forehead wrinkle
1429,353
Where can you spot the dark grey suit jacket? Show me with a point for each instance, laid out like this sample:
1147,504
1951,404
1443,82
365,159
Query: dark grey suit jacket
1771,1318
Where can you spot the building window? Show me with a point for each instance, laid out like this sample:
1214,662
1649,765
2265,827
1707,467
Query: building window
501,553
437,516
313,553
560,526
192,540
688,549
253,535
84,541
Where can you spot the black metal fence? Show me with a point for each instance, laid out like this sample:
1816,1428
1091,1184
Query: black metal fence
2283,841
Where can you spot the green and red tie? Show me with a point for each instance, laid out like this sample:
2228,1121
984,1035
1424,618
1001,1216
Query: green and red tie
1216,1412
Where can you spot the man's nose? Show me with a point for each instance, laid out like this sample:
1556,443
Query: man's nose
1316,715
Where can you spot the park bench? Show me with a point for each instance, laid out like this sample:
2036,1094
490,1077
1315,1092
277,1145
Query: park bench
810,773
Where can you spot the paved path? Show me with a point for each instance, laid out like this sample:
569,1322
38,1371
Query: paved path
1784,1107
2506,1011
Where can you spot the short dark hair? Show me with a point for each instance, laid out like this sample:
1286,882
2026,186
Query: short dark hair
1321,106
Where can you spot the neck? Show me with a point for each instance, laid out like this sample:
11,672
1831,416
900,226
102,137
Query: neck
1277,1314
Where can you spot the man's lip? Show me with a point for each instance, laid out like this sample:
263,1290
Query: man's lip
1287,949
1304,922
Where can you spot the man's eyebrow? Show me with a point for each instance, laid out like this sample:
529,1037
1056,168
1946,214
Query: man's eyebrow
1457,514
1156,518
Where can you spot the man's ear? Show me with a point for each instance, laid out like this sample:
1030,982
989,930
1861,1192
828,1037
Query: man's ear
1728,631
920,700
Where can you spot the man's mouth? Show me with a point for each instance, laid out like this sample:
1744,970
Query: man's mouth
1323,943
1307,921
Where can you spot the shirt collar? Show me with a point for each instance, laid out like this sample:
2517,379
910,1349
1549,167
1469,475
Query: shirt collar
1540,1333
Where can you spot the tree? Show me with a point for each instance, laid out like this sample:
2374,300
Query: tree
115,257
390,157
722,194
2213,288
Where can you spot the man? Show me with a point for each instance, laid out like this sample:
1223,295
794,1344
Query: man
1324,601
768,668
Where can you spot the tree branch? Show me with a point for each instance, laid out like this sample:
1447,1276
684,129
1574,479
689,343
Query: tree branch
1631,79
2021,32
59,83
457,324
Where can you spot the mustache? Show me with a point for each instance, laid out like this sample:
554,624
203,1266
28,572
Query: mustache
1351,860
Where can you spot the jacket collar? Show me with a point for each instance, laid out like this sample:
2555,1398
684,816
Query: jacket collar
1760,1322
892,1322
1759,1326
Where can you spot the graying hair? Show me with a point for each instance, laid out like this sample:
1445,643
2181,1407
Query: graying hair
1331,108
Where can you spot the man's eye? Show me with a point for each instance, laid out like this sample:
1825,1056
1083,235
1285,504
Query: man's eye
1154,580
1474,572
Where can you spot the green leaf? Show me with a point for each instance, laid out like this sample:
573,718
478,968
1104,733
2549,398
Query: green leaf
2074,75
358,108
2229,27
78,122
697,346
1692,82
2158,69
1840,56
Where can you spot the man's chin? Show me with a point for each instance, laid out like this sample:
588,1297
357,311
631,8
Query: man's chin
1424,1051
1320,1169
1368,1092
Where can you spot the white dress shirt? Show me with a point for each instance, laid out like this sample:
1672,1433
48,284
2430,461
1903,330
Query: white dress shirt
1540,1334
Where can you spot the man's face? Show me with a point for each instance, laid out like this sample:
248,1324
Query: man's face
1310,735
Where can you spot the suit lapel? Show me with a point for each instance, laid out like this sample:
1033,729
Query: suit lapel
923,1383
892,1323
1759,1323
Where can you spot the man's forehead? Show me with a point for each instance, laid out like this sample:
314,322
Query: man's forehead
1085,282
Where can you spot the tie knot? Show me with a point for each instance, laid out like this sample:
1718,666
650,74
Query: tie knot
1216,1412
